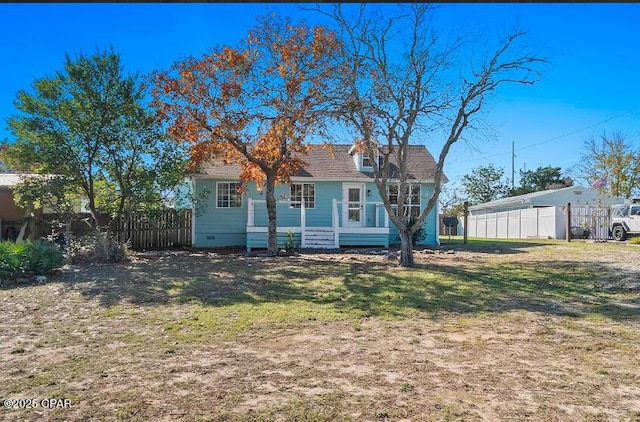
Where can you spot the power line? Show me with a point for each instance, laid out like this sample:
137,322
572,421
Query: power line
579,130
484,157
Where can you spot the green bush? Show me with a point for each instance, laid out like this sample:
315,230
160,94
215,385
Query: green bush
38,257
635,240
419,235
42,256
12,257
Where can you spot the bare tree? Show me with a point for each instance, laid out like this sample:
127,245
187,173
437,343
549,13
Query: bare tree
612,161
401,82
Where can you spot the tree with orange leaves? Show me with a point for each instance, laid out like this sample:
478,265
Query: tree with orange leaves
254,104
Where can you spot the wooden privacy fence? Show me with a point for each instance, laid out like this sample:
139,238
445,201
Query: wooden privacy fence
161,229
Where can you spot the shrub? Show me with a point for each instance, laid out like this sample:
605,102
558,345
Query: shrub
290,244
11,259
635,240
419,235
42,256
96,247
39,257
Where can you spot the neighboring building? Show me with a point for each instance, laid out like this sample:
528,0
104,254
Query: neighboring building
8,208
542,215
332,202
10,214
574,195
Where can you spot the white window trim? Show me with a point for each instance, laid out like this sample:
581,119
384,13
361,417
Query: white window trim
362,158
410,205
303,183
218,193
364,155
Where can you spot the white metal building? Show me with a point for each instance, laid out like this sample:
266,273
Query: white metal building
574,195
539,214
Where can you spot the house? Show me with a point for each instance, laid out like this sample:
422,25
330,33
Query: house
331,203
574,195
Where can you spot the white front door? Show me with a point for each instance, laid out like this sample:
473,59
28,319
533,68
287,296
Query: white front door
352,204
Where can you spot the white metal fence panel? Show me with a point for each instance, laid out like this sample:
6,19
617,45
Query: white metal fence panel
472,227
529,223
513,224
502,225
561,222
547,222
491,226
481,226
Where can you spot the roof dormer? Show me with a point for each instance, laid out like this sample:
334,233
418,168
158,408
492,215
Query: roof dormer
362,160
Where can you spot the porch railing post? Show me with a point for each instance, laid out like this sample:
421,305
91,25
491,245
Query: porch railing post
335,224
386,218
303,223
250,219
377,215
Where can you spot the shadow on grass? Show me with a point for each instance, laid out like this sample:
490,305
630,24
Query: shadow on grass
356,287
502,246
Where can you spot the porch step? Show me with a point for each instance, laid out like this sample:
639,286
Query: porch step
319,238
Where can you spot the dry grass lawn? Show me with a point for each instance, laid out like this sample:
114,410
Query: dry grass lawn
525,331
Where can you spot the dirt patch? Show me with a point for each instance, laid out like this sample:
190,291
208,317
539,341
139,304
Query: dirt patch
511,331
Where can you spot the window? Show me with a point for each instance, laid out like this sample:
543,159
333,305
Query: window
365,160
635,210
414,199
228,195
300,191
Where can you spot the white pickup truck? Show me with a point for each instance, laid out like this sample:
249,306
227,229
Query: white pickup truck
625,221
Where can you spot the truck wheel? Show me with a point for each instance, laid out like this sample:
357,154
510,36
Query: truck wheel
619,233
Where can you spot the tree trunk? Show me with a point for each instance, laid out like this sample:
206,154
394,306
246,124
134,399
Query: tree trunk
23,228
272,236
92,210
406,248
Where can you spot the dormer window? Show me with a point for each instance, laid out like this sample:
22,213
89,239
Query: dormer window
361,159
366,162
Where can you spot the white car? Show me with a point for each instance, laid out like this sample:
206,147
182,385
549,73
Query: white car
625,221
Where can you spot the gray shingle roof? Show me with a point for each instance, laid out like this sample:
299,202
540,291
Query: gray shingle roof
321,165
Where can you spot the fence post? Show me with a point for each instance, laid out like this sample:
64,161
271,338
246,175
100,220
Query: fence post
568,232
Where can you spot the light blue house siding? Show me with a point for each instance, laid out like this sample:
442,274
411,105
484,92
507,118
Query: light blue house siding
430,223
216,227
212,226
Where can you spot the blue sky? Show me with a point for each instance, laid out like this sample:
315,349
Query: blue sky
590,86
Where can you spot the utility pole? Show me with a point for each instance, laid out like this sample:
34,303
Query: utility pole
513,160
